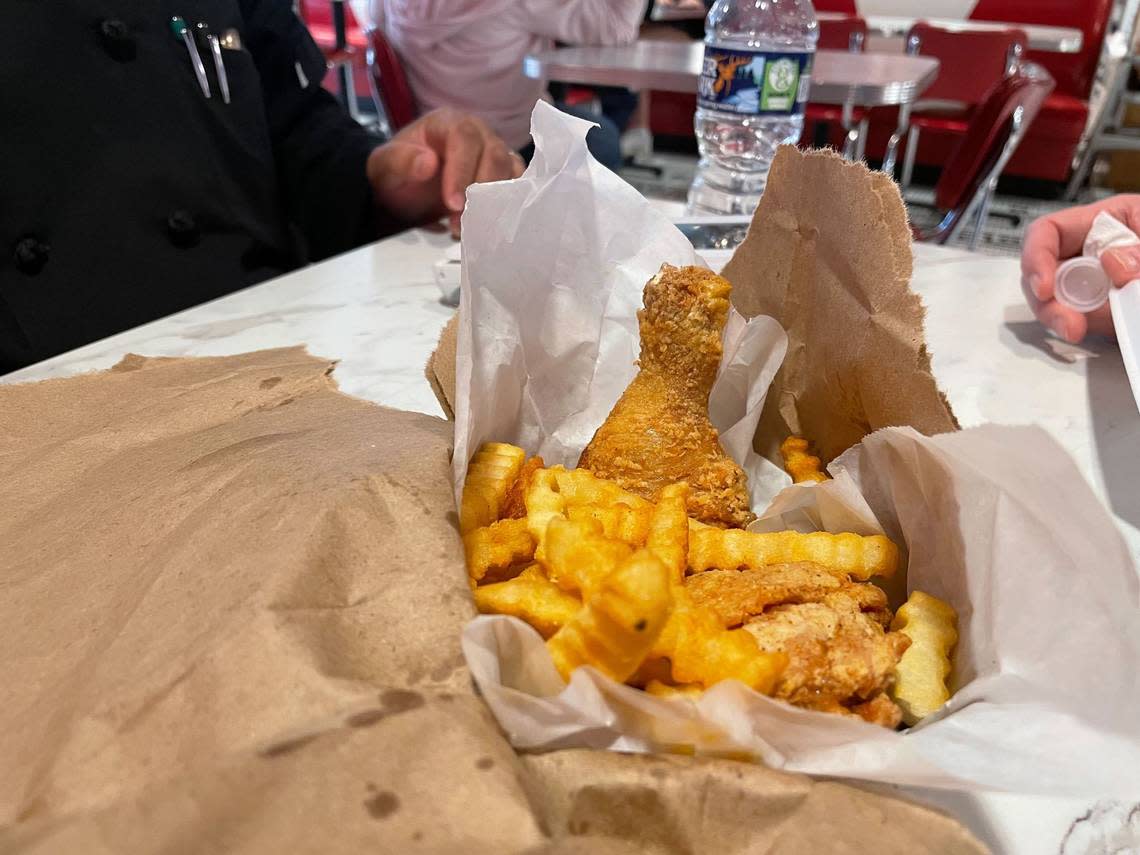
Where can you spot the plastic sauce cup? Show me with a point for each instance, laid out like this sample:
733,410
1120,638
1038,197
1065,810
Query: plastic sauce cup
1081,284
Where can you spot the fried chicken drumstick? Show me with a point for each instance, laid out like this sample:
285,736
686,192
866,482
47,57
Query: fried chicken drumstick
659,431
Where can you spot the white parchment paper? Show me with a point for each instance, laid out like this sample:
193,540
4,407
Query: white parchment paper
996,520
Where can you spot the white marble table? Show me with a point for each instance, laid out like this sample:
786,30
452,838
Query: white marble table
377,309
837,77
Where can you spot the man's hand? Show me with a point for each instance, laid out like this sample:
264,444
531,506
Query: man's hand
1055,237
423,172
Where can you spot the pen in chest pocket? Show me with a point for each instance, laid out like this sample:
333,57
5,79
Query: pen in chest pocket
213,46
181,31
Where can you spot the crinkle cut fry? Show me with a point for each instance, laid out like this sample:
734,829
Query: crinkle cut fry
514,503
860,556
544,502
497,546
620,622
579,487
715,548
620,522
489,475
578,557
799,462
920,684
668,534
531,597
703,652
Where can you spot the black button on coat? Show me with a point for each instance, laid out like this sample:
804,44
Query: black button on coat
125,195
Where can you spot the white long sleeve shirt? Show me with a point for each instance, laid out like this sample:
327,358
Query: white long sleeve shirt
468,54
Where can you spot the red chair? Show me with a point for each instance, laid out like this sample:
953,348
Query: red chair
841,33
318,17
843,7
996,128
341,40
1049,149
970,63
390,87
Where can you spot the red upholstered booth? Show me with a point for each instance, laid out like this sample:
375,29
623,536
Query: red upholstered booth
1048,148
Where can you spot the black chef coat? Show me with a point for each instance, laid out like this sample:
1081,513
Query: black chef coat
126,195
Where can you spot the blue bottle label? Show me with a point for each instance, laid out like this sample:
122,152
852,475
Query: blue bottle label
754,83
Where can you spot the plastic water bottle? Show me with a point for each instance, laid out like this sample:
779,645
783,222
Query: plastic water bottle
750,98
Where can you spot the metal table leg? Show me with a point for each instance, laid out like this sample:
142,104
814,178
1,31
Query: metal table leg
851,141
864,127
344,69
896,137
908,158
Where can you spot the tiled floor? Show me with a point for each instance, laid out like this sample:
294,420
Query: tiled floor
671,174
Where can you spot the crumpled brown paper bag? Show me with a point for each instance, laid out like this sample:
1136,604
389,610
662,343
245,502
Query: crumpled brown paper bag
828,255
230,607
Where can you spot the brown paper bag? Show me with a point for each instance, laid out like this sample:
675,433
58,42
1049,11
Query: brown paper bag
828,256
232,600
440,369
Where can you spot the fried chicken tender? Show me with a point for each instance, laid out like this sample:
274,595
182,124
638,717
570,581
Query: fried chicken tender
880,710
839,659
736,595
659,431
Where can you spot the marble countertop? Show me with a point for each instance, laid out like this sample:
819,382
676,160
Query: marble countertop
377,310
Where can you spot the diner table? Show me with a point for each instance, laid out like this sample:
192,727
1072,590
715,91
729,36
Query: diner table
1040,36
377,309
838,77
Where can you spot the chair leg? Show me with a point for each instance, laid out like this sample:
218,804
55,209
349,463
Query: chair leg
1088,158
909,156
1087,153
893,144
983,213
383,123
342,83
851,135
861,151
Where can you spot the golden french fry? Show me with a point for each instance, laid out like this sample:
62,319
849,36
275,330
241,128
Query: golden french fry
620,522
538,601
579,487
735,549
703,652
920,681
650,670
532,571
579,556
489,475
544,502
620,622
514,503
665,690
799,462
497,546
668,535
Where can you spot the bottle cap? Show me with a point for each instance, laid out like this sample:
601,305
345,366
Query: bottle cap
1082,285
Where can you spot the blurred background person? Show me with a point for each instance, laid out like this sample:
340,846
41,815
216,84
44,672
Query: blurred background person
468,54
